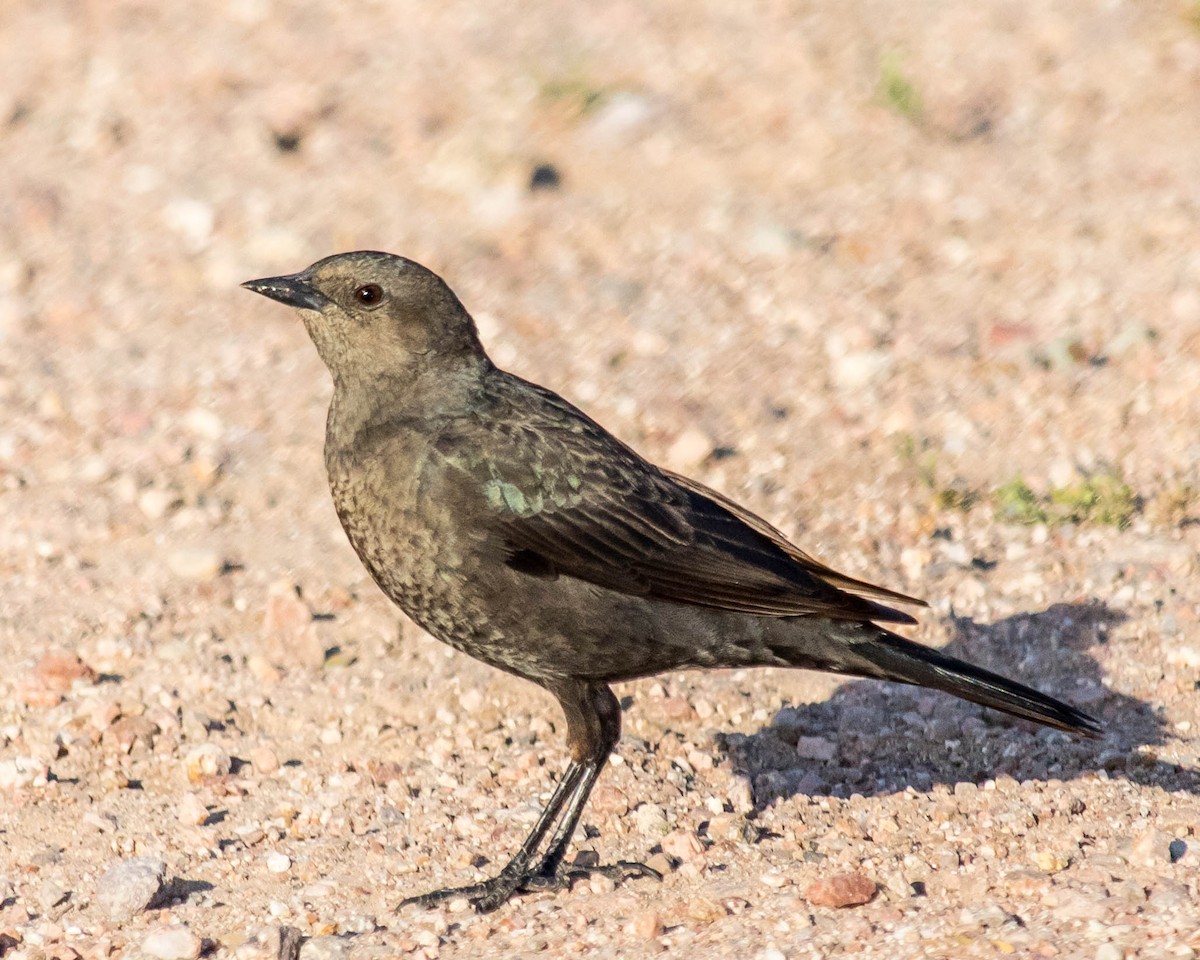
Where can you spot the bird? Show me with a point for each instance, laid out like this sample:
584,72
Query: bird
512,526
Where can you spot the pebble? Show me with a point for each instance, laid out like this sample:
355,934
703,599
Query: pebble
650,820
191,219
289,631
815,748
154,504
58,670
172,943
610,800
690,448
660,863
191,811
682,845
279,862
1050,861
50,895
647,925
204,423
1109,951
207,760
17,773
601,884
129,887
324,948
841,890
195,563
264,759
705,911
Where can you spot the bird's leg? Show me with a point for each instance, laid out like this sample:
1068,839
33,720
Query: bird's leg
593,728
491,893
552,872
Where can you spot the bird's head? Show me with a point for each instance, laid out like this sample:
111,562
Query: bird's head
374,315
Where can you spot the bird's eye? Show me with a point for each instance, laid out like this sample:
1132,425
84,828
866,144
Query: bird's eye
369,295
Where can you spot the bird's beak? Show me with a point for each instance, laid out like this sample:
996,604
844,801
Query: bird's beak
296,290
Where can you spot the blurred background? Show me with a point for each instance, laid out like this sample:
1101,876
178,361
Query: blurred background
918,282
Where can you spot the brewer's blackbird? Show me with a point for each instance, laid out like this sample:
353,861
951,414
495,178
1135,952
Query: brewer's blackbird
515,528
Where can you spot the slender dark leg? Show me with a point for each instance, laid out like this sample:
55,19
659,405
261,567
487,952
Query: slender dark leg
550,871
508,880
593,728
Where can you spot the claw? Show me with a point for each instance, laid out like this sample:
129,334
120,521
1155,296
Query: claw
565,875
492,894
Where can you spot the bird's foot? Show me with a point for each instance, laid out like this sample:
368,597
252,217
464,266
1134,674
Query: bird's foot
485,896
494,892
565,874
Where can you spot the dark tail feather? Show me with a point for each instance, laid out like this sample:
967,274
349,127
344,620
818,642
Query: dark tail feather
890,657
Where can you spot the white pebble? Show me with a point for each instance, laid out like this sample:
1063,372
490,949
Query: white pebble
130,886
207,760
195,563
172,943
279,862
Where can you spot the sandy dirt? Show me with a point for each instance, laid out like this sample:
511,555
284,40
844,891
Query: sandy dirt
920,283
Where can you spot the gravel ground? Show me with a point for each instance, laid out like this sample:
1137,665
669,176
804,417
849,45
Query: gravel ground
918,282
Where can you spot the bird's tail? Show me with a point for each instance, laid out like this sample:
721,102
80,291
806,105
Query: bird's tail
885,656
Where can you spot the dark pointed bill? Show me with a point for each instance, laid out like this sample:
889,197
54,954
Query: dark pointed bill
295,290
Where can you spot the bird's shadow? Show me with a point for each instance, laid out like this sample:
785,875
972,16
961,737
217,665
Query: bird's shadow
875,738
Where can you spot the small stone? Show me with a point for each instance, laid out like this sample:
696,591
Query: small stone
289,632
1109,951
650,820
1050,861
129,887
265,760
600,884
279,862
741,795
33,693
128,731
172,943
660,863
50,895
195,563
705,911
331,948
58,670
191,219
262,669
154,504
610,800
816,748
841,890
204,423
207,760
690,448
191,811
1026,883
682,845
1151,846
677,708
647,925
289,110
318,891
19,772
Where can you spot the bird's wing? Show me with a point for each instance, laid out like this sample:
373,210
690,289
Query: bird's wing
564,497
